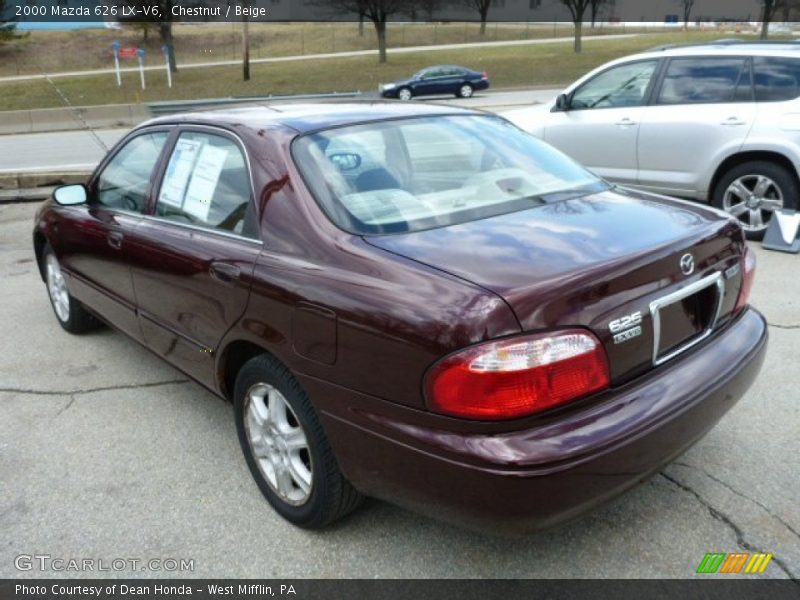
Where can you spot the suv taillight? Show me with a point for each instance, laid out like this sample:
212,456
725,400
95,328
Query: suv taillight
518,376
748,275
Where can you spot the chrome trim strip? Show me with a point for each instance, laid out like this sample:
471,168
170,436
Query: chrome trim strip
656,305
210,230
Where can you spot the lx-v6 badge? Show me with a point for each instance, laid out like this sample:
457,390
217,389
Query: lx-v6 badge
627,327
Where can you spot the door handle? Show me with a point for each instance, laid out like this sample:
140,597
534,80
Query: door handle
626,122
114,239
224,272
733,122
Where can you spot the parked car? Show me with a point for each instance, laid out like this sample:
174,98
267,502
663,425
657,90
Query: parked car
716,122
439,80
417,303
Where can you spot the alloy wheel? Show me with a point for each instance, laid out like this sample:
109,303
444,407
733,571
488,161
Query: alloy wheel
466,91
278,443
404,94
57,288
752,199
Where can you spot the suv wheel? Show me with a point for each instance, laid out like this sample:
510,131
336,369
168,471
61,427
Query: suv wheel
286,449
753,191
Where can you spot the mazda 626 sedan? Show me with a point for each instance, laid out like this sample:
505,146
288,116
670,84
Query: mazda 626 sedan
416,303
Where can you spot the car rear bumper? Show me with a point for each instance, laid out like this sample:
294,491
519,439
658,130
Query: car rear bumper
554,468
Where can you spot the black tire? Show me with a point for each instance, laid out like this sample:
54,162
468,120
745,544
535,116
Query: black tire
784,180
78,320
461,91
331,496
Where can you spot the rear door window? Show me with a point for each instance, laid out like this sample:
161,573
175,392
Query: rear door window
776,79
702,80
207,184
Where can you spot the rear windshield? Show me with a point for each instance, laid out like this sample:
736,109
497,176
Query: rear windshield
420,173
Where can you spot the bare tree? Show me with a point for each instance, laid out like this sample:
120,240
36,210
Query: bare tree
143,27
594,9
163,19
686,6
377,11
786,7
577,10
482,6
770,8
8,29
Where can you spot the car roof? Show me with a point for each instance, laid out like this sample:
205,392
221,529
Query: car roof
304,118
727,48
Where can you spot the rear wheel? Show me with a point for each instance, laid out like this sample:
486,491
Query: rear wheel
465,91
405,94
753,191
286,449
70,313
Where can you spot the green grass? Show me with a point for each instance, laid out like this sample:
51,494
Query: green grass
53,51
547,64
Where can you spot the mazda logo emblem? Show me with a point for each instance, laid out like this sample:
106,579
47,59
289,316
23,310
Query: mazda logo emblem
687,264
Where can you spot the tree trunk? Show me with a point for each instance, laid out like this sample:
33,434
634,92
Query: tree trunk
380,30
484,17
165,30
765,19
578,34
361,24
245,49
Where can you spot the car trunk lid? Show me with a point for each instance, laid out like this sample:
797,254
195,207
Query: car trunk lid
610,262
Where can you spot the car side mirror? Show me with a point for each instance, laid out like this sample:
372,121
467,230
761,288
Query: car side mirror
71,195
562,102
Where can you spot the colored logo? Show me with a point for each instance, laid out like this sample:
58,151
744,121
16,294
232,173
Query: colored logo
735,562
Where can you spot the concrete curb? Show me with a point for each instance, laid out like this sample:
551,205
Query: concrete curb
65,119
28,187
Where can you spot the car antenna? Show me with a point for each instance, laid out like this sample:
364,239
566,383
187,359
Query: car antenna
74,110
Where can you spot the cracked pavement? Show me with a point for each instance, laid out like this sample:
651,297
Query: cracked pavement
107,452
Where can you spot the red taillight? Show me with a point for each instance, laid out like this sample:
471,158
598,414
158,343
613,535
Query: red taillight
518,376
484,75
748,275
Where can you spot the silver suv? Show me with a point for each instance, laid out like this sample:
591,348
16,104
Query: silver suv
716,122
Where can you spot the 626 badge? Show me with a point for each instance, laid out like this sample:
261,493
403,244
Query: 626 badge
627,327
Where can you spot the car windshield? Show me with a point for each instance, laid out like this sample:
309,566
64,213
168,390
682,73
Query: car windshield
420,173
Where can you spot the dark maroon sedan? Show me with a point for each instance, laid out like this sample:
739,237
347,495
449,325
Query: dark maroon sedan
416,303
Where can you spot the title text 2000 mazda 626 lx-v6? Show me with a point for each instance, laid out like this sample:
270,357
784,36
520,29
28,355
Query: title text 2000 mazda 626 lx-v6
421,304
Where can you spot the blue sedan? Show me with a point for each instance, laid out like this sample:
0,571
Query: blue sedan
442,79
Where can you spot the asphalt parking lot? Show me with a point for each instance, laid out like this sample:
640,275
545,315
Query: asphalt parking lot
108,453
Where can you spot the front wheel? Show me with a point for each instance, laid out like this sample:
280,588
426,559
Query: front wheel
465,91
753,191
405,94
70,313
286,449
